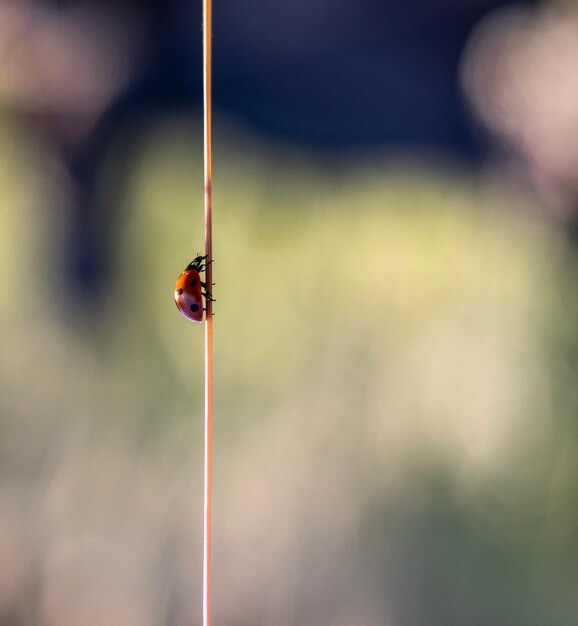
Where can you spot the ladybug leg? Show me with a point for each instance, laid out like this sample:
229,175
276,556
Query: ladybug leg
208,295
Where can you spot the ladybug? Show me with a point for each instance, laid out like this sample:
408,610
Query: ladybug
190,290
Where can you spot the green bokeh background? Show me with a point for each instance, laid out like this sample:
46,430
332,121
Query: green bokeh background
395,396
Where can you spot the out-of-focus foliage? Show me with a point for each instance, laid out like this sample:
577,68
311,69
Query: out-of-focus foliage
395,366
519,75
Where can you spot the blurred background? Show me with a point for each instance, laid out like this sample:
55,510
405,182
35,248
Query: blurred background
396,330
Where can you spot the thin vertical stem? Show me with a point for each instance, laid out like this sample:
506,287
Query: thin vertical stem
207,66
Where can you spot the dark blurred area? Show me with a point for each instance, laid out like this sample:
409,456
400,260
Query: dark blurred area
396,330
327,74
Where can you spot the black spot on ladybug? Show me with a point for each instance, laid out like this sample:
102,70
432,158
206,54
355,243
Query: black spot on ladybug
180,292
194,307
193,283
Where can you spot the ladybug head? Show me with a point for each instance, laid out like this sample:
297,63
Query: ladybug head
196,264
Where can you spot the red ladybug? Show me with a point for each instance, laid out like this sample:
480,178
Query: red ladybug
189,290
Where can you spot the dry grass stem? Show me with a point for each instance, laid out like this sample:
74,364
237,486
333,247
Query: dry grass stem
207,34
